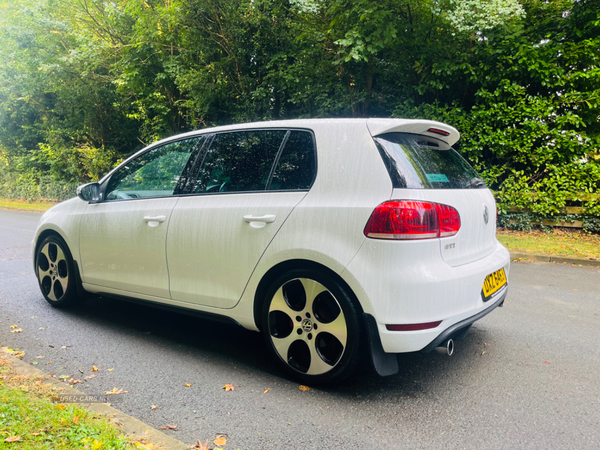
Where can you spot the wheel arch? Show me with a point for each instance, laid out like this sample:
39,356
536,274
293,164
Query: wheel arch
294,264
53,232
44,234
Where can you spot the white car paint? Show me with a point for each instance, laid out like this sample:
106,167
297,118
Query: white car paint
121,247
205,256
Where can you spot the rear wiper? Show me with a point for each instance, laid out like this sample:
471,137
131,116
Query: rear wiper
475,183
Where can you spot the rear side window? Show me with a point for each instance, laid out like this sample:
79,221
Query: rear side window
239,161
296,167
419,162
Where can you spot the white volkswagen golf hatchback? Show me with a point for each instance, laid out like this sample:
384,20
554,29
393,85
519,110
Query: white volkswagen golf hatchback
340,240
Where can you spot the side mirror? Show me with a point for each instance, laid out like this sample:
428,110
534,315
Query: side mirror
89,192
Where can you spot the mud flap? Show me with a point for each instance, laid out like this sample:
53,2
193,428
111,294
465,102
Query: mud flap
385,364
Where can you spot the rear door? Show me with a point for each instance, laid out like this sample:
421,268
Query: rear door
424,168
248,183
123,238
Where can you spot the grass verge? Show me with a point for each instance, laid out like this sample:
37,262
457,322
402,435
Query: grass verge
555,242
29,206
29,419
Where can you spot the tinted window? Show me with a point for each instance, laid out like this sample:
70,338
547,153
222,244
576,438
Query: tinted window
296,166
156,173
418,162
239,161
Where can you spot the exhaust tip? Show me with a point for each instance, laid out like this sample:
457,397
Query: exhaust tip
446,347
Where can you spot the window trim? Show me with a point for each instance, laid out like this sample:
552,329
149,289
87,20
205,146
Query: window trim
106,180
200,157
275,162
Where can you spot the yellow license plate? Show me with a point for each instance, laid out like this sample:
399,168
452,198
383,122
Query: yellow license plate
492,284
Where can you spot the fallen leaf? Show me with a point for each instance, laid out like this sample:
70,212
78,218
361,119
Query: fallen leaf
483,353
116,391
73,381
89,377
12,439
13,326
94,369
60,406
153,407
187,384
169,427
42,328
266,390
201,446
546,362
229,387
17,330
110,370
220,441
303,388
64,346
97,444
144,446
76,419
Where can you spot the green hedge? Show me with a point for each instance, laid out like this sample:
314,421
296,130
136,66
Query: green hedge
32,187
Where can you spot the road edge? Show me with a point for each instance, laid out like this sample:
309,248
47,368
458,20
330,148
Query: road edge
554,259
132,427
36,211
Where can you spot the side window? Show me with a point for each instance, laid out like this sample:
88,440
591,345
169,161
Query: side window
156,173
239,161
297,166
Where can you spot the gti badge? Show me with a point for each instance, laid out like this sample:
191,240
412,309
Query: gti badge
486,214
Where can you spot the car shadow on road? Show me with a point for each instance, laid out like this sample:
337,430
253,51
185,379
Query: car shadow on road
228,345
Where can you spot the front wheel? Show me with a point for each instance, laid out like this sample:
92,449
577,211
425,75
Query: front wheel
55,273
311,327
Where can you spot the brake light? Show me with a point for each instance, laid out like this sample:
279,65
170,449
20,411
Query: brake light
409,219
438,131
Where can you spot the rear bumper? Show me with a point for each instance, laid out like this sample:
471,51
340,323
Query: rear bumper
459,328
416,286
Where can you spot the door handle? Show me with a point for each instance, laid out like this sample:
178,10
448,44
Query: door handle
154,221
259,221
267,218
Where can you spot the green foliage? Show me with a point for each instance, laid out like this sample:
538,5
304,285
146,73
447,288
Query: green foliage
518,221
528,221
85,83
591,225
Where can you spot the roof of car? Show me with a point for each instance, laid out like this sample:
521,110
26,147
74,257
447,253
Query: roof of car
376,127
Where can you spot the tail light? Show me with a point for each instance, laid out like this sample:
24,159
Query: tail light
408,219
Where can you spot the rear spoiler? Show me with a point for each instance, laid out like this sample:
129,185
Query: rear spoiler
431,128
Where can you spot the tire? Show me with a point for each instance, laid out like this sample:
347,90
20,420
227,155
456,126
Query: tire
311,327
55,272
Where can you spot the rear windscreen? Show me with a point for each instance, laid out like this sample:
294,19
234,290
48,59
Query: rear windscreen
420,162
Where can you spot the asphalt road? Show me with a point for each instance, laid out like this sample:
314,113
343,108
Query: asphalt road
526,376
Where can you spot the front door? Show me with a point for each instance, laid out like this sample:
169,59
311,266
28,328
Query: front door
123,238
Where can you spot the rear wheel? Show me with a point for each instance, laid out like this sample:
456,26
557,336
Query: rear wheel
311,327
55,273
